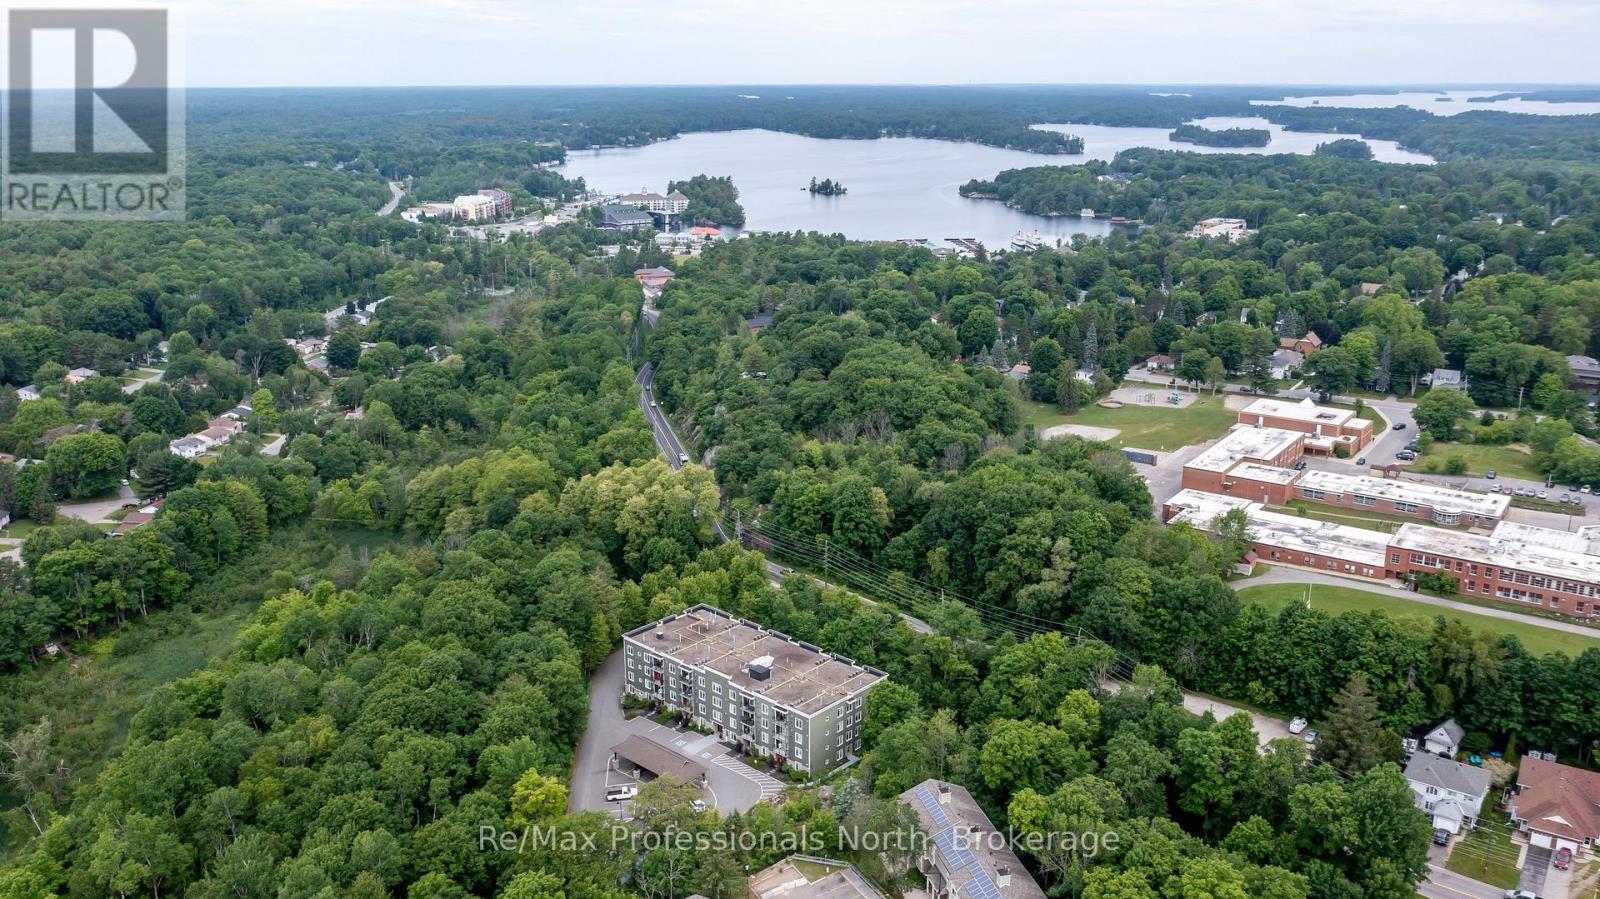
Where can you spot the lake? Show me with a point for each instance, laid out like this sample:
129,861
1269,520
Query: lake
1445,103
898,187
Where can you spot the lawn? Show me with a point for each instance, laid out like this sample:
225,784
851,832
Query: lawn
1537,640
1508,461
1487,853
1372,521
1145,427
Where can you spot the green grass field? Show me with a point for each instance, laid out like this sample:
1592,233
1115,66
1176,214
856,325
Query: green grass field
1507,461
1146,427
1334,600
1372,521
1487,854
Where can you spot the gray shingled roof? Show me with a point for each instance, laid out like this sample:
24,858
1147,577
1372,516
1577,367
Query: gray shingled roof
1426,768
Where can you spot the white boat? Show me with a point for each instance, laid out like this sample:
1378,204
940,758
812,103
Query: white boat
1086,212
1025,242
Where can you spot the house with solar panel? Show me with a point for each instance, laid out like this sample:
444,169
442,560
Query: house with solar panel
965,857
760,690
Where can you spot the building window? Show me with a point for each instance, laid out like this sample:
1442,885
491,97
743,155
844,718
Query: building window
1360,500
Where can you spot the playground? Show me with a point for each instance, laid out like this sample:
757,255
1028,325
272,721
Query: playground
1159,397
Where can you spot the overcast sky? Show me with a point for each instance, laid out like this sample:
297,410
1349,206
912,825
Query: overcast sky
466,42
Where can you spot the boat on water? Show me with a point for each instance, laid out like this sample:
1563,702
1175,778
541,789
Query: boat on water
1024,242
1086,212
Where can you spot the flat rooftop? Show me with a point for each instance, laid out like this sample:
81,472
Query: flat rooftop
1545,551
1245,443
1270,474
1357,546
1445,499
1304,410
803,677
816,880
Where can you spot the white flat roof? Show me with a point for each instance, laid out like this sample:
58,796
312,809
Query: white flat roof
1198,507
1358,546
1271,474
1445,499
1243,443
1304,410
1544,551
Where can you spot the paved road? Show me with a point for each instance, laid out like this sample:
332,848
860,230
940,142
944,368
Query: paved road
1285,575
140,382
396,192
670,446
100,509
1445,884
1267,728
731,785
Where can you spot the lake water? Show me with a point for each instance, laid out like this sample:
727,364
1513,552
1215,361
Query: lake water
898,187
1437,102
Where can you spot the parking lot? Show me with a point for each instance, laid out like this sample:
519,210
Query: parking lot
731,785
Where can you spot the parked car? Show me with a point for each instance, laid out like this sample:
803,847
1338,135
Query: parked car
1544,494
1441,837
1399,426
1584,489
1361,461
1521,894
1297,725
699,805
1311,737
618,794
1300,466
1573,488
1563,858
1405,455
1566,497
1492,474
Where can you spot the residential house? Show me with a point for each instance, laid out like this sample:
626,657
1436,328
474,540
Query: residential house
1370,288
1233,230
191,447
1557,806
240,412
216,436
1451,792
1585,372
1286,363
1020,371
27,393
1445,739
965,857
79,375
226,424
756,322
1447,379
132,521
1160,362
1305,346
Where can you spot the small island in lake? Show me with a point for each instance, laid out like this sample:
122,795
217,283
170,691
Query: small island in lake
1231,137
827,187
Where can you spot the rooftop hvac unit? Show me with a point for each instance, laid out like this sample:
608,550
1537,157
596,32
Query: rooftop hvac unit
761,669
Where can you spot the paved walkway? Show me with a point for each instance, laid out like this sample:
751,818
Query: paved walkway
1283,575
100,509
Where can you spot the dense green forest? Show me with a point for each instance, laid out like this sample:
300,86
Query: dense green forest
320,670
1224,137
712,200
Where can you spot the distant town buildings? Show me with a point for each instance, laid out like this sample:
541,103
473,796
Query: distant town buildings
1232,230
670,206
474,208
502,200
760,690
1305,346
618,217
